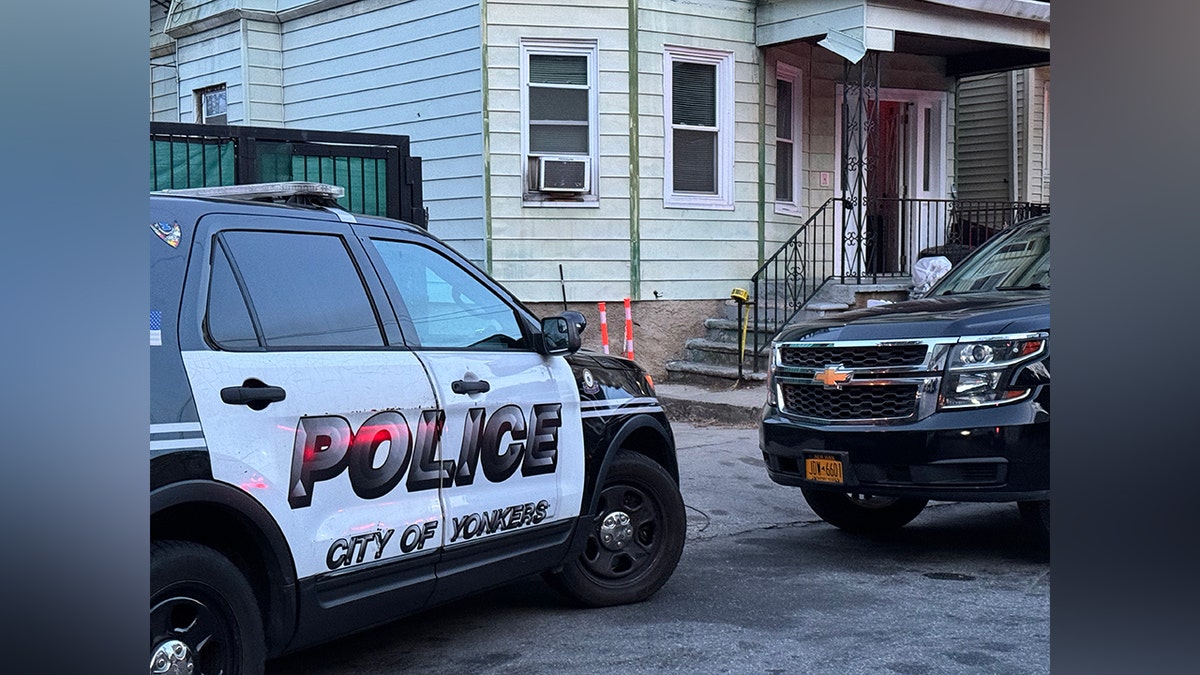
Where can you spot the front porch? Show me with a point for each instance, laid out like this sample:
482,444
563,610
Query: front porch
824,268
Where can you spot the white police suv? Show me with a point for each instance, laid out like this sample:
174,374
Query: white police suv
350,423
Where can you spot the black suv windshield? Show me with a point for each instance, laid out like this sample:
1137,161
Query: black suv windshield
1016,260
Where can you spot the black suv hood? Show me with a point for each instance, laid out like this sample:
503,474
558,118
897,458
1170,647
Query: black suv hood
954,315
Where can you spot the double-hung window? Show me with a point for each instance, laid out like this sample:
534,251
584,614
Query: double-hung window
787,140
559,115
698,106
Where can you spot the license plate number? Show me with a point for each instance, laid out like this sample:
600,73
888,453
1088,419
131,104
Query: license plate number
823,469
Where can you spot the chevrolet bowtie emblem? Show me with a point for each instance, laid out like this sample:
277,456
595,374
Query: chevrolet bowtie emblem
833,377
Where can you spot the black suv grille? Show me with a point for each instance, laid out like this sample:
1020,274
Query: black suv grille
853,357
851,403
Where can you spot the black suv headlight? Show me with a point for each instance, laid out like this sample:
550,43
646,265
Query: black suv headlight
980,370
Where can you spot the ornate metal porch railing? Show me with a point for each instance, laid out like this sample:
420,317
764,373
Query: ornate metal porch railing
790,277
897,233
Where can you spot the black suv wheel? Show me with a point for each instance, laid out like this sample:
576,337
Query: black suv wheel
863,513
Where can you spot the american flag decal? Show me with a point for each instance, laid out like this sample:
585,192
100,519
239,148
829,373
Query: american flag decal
155,328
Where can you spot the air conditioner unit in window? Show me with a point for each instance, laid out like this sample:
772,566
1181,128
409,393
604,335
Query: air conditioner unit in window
564,174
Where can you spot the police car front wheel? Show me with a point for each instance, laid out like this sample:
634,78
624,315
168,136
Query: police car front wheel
203,615
636,538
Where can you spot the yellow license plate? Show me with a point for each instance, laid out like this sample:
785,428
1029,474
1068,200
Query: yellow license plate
823,469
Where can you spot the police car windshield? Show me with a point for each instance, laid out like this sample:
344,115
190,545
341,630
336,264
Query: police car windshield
1015,261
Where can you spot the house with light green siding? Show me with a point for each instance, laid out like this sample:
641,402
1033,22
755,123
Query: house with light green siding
660,150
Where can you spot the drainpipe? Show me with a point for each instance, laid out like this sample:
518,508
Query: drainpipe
485,87
635,193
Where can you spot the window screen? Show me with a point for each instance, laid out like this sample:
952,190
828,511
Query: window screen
558,104
784,144
304,290
694,115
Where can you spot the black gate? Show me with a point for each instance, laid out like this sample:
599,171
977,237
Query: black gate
379,175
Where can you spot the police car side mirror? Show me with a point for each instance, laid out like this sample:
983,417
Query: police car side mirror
559,335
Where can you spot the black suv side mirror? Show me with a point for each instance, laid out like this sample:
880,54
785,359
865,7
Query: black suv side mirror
560,334
575,318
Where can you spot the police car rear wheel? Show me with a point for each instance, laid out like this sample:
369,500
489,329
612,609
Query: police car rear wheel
636,540
863,513
203,616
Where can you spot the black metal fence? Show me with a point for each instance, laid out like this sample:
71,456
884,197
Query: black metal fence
898,232
379,175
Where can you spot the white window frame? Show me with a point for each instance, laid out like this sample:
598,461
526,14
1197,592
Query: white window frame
792,75
590,49
724,197
198,100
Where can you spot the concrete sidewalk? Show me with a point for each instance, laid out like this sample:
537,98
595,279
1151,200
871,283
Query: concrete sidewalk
739,405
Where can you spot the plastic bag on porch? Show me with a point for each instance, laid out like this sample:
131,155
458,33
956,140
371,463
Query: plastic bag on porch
927,272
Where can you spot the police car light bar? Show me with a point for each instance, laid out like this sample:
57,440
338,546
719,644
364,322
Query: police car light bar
263,190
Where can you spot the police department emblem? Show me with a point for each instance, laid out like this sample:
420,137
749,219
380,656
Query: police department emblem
589,382
168,232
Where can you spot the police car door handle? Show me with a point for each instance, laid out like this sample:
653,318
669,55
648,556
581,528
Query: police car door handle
470,387
253,393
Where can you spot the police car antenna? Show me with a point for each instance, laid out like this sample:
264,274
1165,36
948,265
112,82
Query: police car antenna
563,285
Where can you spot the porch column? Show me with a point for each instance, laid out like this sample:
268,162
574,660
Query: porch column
860,113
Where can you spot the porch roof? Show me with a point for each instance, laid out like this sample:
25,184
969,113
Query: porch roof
973,36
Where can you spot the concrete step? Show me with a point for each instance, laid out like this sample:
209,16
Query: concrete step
720,353
856,295
729,330
709,375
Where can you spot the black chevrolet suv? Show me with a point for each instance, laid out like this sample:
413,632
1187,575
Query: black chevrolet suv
350,422
874,412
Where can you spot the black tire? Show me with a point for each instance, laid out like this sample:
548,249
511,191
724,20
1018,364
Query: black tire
202,609
1036,516
628,561
863,513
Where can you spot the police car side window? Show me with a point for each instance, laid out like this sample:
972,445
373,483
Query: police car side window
303,290
227,318
449,308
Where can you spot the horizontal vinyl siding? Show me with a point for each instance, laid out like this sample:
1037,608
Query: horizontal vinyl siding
164,80
210,58
530,242
984,137
1039,168
164,93
698,253
264,73
411,68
